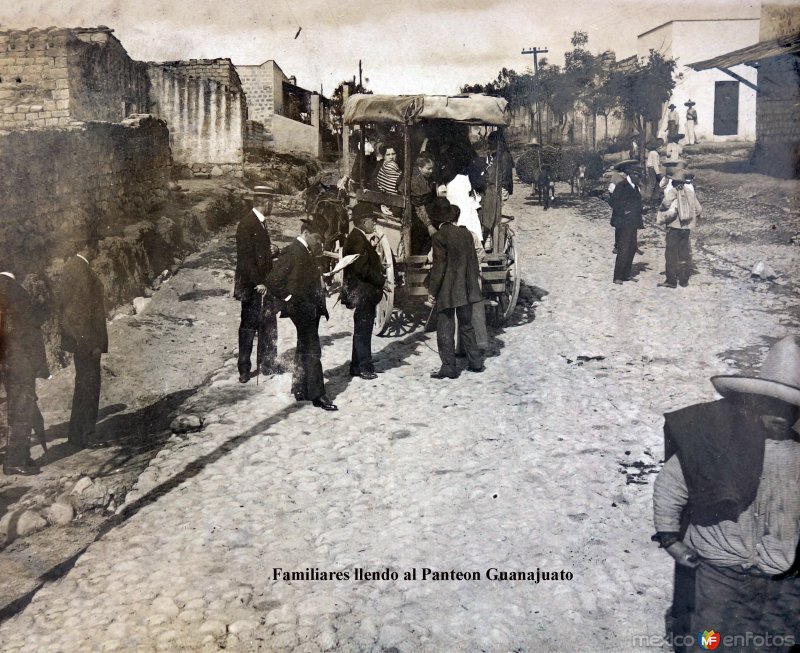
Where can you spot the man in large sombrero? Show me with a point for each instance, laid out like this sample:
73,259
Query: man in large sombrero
727,504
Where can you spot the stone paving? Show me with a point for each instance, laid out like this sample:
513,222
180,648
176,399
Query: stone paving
542,462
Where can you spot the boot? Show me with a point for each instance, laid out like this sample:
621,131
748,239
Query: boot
246,337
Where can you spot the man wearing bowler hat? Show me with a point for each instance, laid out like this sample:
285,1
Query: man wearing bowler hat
362,287
727,504
626,217
253,264
83,332
455,285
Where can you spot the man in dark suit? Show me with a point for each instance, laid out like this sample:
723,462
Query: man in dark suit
83,332
455,285
626,218
362,287
253,264
22,360
295,280
484,176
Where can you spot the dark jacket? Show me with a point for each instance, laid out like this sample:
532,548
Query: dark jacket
720,446
296,273
82,311
253,255
364,278
455,275
626,206
22,353
482,173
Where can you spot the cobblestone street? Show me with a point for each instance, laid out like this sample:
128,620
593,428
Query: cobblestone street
543,462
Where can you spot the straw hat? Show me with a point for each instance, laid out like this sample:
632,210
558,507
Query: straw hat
264,191
690,103
778,378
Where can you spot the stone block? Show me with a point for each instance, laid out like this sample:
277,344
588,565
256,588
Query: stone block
61,93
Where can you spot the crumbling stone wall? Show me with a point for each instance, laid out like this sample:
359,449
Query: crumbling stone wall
205,119
256,140
53,181
778,117
221,71
54,77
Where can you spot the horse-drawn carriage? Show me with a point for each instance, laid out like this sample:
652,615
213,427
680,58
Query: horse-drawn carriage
407,271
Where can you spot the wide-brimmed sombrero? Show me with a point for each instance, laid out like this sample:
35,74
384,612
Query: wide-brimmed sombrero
690,103
778,378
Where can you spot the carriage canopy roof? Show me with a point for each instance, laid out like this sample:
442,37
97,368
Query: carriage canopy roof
475,108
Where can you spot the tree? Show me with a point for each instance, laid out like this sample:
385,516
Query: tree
642,90
337,101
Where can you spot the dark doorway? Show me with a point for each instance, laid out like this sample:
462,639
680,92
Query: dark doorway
726,108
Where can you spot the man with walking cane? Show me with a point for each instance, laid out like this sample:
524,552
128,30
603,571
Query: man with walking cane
253,264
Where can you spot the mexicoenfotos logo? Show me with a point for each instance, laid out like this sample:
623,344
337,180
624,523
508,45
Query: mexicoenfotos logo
709,639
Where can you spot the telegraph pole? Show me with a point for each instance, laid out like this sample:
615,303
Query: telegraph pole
360,83
535,51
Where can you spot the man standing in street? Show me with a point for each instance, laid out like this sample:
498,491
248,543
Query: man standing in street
673,122
455,286
626,218
83,332
253,264
362,287
678,212
691,122
22,361
295,280
733,469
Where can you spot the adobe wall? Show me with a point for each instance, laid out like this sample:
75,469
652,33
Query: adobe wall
103,174
104,82
263,86
205,119
53,77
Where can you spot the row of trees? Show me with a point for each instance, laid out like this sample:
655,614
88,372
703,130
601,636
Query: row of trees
594,84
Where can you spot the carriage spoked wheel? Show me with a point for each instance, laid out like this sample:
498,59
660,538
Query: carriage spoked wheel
506,301
383,312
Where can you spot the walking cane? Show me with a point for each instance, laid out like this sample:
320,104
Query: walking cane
260,317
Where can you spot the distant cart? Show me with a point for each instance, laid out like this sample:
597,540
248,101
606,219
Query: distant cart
410,115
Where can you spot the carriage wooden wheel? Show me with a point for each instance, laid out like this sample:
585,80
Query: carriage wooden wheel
505,290
383,312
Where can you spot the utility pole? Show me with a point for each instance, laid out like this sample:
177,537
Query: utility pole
535,51
360,84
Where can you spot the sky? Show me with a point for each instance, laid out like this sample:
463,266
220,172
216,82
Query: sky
406,46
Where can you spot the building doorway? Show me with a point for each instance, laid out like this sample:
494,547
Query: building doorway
726,108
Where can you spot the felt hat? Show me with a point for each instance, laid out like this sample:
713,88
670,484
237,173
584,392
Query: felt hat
627,163
671,106
778,378
652,144
690,103
365,210
442,211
